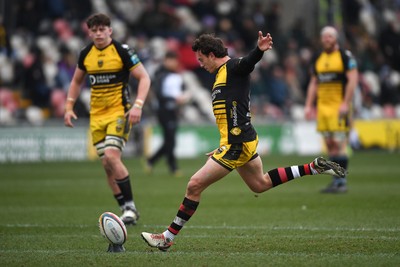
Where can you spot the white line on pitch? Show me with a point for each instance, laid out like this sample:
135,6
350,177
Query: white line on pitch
219,227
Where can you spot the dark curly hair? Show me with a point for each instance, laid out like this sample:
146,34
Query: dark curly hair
207,43
98,19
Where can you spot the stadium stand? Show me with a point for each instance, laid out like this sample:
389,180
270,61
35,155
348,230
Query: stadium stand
40,39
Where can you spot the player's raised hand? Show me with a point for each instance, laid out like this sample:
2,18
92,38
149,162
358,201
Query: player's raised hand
264,42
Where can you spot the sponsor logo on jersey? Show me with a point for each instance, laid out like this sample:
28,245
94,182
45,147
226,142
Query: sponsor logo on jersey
101,78
135,59
236,131
327,77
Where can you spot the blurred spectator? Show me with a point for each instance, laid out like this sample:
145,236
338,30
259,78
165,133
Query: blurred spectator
187,58
259,94
62,29
247,29
389,40
55,8
278,90
66,67
370,55
298,33
273,18
159,19
8,106
273,25
292,74
204,8
226,30
128,11
5,46
35,85
29,14
305,57
351,9
390,86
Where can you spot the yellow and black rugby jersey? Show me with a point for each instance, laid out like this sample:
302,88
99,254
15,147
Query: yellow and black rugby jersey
108,70
231,99
330,70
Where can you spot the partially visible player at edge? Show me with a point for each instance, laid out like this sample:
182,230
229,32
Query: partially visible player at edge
238,138
109,65
333,81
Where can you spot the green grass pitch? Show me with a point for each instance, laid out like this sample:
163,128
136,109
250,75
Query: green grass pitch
49,213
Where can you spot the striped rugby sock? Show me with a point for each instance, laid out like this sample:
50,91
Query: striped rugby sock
285,174
185,212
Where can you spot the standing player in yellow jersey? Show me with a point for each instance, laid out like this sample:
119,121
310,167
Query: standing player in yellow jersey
334,79
108,65
238,138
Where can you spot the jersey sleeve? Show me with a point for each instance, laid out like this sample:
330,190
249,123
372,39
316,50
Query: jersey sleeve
82,56
349,60
246,64
128,56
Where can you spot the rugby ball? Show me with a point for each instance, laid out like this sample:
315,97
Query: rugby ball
112,228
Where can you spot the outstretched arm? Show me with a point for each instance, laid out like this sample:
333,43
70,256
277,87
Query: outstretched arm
247,63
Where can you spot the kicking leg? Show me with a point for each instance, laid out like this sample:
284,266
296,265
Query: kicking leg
253,176
210,173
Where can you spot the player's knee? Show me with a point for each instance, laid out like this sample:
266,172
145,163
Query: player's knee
257,188
261,189
261,186
110,148
106,161
111,159
112,156
194,187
